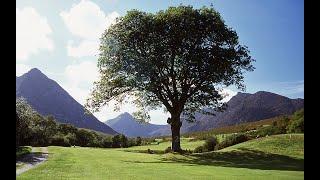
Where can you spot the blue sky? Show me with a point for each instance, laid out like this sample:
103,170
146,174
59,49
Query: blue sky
60,39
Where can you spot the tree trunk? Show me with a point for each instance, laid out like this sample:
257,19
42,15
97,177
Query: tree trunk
175,130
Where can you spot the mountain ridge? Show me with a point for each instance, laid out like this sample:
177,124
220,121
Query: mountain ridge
47,97
126,124
243,107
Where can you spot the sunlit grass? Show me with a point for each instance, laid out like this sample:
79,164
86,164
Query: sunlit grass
248,160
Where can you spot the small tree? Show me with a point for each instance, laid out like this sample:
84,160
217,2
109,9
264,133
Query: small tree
24,116
138,141
123,141
296,125
177,58
210,143
116,143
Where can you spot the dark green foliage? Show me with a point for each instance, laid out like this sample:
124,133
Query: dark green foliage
22,150
123,141
36,130
116,141
210,143
24,113
107,142
266,130
232,140
138,141
277,127
199,149
43,128
67,128
60,140
177,58
131,142
296,125
167,150
84,137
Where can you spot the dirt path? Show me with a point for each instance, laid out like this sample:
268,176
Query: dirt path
31,160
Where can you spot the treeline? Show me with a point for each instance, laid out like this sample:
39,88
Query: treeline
32,129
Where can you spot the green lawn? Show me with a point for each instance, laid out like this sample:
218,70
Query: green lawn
255,159
285,144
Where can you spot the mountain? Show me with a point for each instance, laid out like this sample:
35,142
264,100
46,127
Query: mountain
127,125
245,107
48,98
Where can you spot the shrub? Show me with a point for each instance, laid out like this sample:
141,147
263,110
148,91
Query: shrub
167,150
132,142
123,141
60,140
296,125
116,141
22,150
71,137
210,143
199,149
232,140
138,141
107,142
150,151
268,130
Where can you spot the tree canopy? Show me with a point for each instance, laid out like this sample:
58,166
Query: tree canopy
175,57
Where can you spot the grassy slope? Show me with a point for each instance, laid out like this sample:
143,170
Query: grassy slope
285,144
234,128
231,163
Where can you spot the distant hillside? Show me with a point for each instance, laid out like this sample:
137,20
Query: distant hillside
242,108
128,126
48,98
245,107
234,128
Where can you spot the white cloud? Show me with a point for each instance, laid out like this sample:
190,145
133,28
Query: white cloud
21,69
159,117
85,48
79,79
111,1
85,72
293,87
77,93
86,21
228,94
32,33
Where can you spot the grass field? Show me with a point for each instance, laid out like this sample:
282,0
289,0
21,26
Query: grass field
273,157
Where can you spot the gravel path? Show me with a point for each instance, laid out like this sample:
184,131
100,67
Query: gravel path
31,160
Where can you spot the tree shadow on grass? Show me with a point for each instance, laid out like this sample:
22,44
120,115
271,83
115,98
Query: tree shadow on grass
32,158
146,151
243,158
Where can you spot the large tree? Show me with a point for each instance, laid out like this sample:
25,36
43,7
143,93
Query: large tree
178,58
